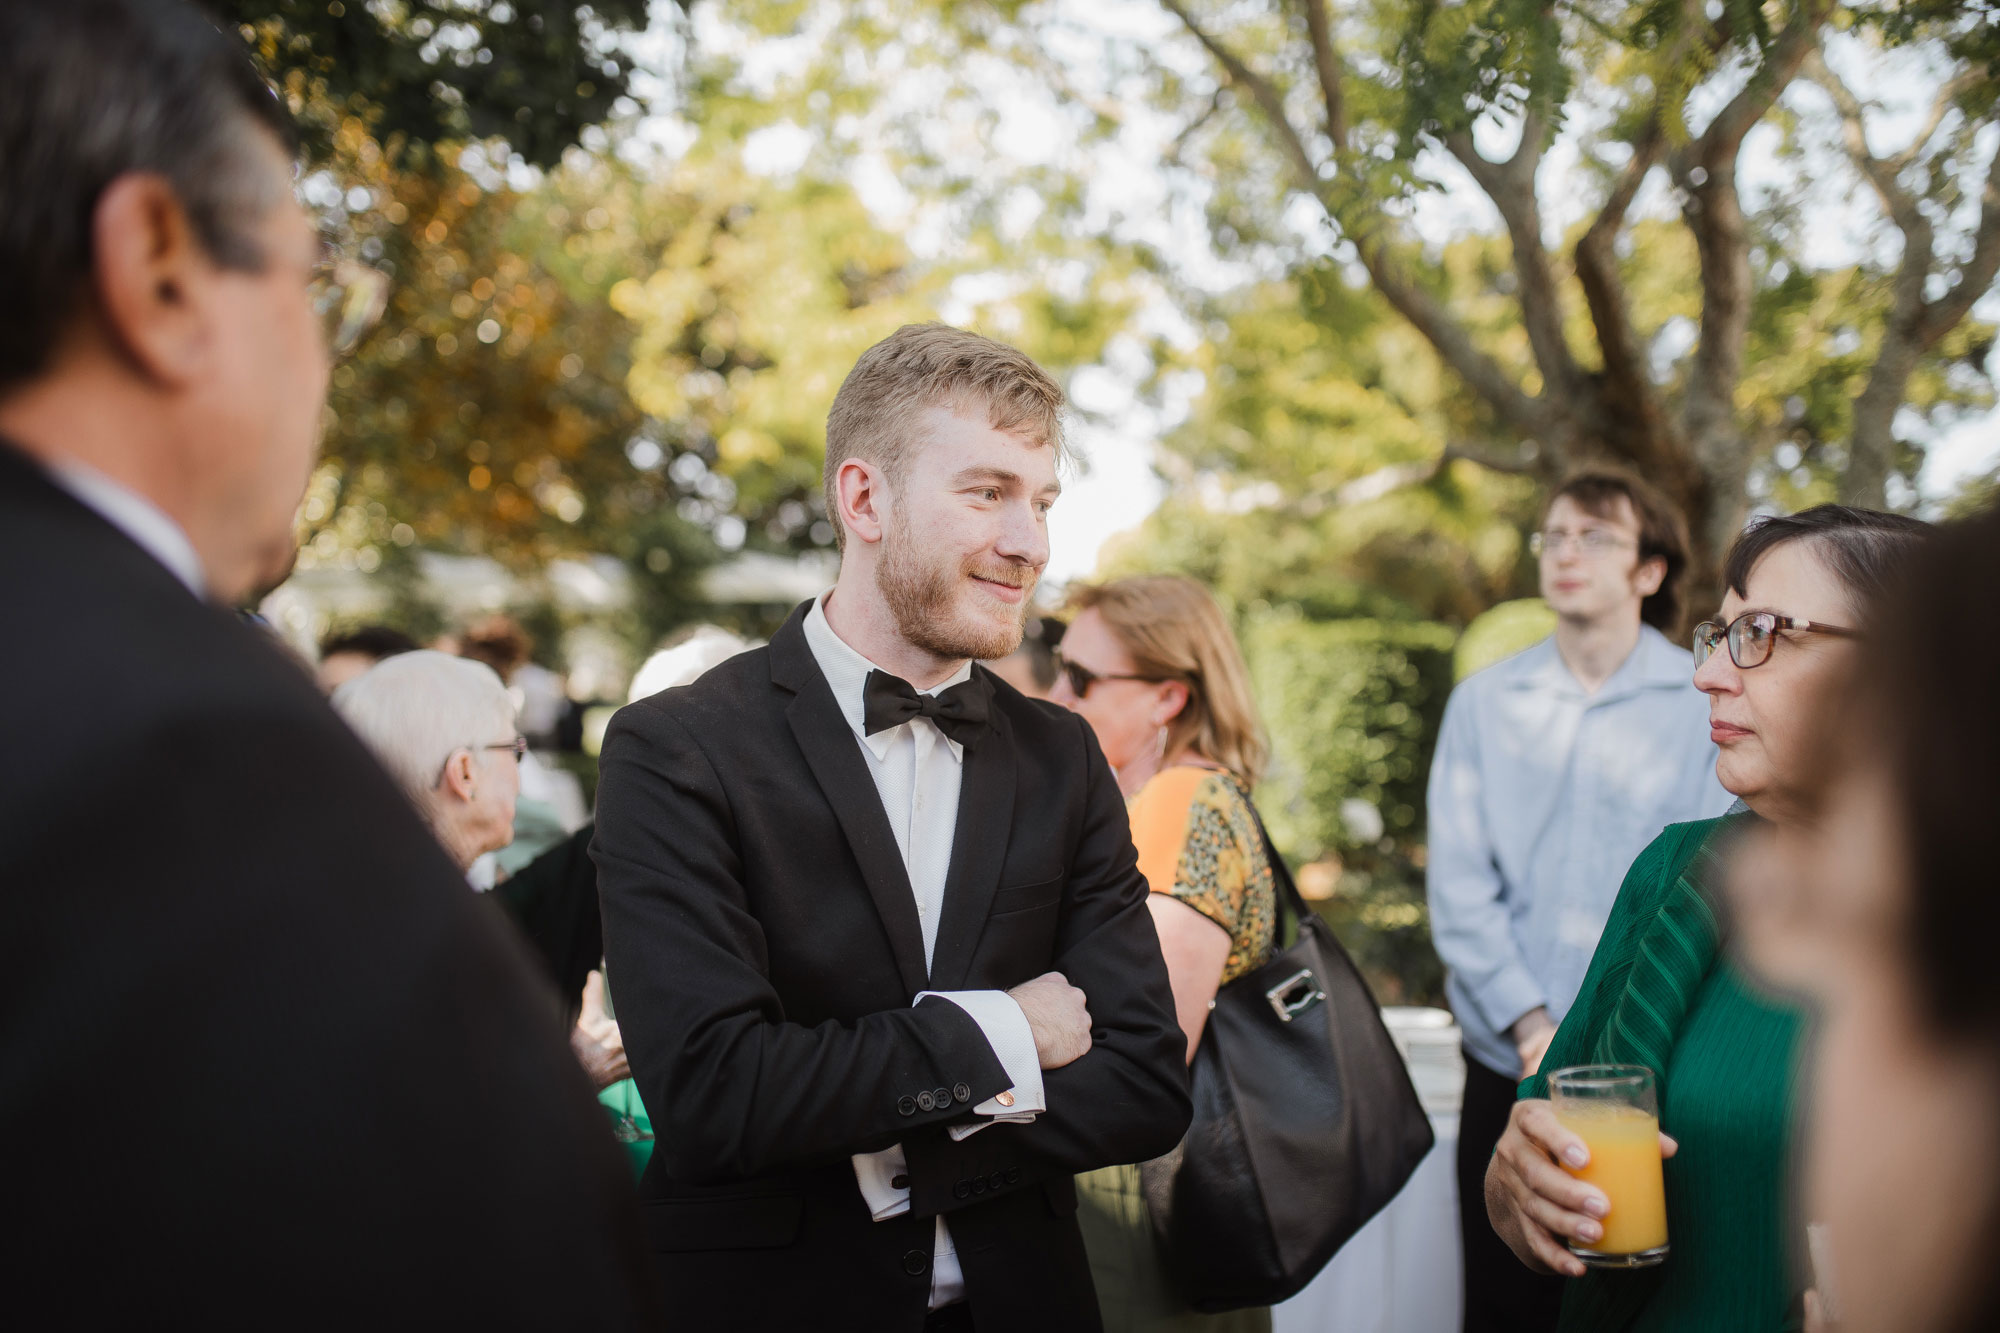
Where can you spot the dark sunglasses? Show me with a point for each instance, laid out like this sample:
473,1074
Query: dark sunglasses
1081,678
1752,636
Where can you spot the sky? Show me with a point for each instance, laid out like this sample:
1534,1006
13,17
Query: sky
1116,431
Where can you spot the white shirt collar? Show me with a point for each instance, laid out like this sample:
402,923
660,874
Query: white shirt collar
135,516
847,672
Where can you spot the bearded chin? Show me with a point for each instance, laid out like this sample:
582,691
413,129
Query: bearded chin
921,594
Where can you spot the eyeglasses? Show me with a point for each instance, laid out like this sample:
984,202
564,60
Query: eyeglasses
1081,678
1591,541
349,298
1752,636
519,745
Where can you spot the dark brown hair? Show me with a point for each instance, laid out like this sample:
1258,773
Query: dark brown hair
1663,533
1863,548
92,90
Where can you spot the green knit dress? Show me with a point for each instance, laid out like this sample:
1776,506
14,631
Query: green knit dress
1725,1096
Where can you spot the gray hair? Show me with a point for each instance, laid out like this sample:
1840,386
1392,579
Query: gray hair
415,709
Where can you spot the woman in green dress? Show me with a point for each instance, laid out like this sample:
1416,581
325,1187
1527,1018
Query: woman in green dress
1662,993
1151,664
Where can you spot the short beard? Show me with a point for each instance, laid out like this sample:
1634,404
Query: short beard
920,596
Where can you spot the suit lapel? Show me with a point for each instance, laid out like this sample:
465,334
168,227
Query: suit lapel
835,759
978,848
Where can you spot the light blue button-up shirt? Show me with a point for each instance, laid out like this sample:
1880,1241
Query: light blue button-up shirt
1541,797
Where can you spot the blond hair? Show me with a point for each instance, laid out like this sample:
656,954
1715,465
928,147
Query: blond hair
922,366
1174,631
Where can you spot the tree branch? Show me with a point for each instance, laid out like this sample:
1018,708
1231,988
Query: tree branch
1511,187
1943,314
1332,81
1261,90
1398,476
1630,395
1705,169
1481,373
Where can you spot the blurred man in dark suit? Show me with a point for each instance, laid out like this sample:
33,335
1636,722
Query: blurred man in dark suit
262,1057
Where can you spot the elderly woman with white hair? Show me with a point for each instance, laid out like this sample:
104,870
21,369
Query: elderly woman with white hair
444,728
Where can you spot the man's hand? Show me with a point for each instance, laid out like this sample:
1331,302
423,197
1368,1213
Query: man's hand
1056,1015
1531,1034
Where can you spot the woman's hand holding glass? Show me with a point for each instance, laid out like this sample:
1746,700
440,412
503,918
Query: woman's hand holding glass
1533,1203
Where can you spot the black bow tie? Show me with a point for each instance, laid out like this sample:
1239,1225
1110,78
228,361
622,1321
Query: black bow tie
890,701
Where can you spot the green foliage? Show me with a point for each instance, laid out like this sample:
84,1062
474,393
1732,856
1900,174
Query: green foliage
1310,388
1353,708
534,72
1500,633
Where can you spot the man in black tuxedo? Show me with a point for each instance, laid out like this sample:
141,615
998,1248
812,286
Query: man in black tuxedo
873,920
264,1057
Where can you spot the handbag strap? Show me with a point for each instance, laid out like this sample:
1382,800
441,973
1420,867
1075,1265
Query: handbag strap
1281,876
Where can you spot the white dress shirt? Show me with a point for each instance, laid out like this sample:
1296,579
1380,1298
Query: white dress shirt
135,516
918,771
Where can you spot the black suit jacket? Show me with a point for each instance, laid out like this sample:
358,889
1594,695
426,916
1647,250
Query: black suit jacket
264,1058
764,949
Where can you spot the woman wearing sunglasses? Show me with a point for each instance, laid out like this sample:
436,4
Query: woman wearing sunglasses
1661,991
1151,664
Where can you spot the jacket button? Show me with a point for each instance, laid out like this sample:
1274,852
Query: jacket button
962,1091
915,1262
906,1105
997,1179
962,1190
941,1098
1013,1174
926,1102
899,1182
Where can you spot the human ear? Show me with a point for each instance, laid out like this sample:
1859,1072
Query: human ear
155,282
1173,699
1650,574
459,778
864,500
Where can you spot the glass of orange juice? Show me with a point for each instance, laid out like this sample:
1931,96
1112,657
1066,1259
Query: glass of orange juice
1615,1110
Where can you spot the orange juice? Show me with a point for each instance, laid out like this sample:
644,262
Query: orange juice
1624,1143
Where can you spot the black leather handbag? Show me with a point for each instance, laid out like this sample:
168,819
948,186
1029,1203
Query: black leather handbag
1305,1123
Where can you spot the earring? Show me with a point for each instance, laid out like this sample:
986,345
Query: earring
1160,745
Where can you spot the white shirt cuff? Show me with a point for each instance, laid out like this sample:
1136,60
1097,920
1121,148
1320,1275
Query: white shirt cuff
1006,1030
874,1172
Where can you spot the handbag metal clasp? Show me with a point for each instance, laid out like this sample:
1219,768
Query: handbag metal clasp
1294,995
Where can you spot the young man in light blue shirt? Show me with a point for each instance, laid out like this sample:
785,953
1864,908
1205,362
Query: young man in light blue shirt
1553,770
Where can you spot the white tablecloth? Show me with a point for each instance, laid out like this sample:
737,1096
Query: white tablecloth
1402,1273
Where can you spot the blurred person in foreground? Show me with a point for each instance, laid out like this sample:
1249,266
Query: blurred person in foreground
246,995
1554,768
444,728
344,656
1152,665
874,923
1661,992
1884,913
